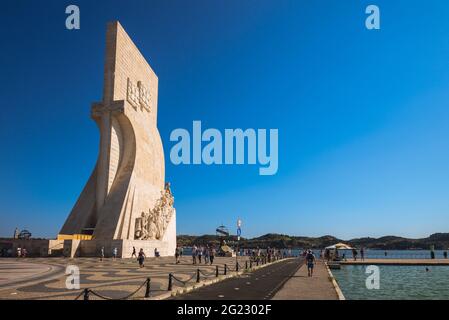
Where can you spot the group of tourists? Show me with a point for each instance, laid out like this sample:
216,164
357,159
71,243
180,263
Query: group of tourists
270,254
22,252
355,253
139,256
273,254
255,254
206,254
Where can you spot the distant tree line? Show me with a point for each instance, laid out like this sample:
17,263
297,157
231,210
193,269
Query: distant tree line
272,240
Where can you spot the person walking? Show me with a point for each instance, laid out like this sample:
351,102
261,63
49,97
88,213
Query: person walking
212,255
177,252
194,249
141,258
362,254
19,252
206,254
114,253
200,253
327,255
310,259
354,254
134,254
101,253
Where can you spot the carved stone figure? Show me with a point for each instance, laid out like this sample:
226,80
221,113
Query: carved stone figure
153,224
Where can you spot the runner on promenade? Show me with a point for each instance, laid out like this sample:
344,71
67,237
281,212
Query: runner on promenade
134,254
310,260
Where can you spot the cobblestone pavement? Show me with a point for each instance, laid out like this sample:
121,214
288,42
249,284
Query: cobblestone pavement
13,272
114,279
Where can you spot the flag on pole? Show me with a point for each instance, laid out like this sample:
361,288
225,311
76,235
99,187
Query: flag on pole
239,229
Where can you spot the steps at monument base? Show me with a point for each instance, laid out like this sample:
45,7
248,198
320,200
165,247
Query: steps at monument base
92,248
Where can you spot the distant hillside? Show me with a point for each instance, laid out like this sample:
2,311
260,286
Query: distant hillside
439,240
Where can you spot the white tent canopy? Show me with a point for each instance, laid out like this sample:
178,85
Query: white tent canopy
340,246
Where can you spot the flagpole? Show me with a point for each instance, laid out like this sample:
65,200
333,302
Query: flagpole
239,231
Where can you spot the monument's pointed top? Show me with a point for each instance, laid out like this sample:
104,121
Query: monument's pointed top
125,68
115,24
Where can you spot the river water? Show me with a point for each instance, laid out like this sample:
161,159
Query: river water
396,282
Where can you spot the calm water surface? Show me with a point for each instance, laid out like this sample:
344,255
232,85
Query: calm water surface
396,282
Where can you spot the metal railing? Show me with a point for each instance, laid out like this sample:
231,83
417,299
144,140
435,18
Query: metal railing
87,292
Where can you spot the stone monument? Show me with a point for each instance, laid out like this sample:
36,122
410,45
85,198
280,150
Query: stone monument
126,202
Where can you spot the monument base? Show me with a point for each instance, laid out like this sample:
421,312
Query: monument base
79,247
92,248
84,248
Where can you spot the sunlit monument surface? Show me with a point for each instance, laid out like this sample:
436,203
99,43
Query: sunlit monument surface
126,202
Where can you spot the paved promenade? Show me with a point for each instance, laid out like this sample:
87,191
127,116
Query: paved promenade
46,279
399,262
302,287
261,284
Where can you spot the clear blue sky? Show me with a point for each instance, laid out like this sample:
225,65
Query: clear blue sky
362,115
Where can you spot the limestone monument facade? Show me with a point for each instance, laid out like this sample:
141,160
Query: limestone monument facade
126,202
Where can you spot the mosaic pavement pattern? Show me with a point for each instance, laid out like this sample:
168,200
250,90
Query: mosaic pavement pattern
44,278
